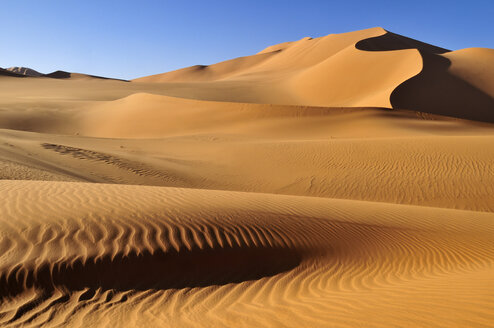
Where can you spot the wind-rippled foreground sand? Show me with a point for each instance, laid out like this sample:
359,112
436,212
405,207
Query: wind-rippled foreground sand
315,184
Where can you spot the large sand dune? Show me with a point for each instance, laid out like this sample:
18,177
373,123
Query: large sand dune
329,182
369,68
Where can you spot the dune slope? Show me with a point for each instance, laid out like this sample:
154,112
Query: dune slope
87,254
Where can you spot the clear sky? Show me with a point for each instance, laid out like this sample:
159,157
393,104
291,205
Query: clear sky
128,39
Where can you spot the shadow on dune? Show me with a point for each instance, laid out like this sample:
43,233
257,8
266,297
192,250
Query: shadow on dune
67,75
59,75
4,72
391,41
434,90
160,270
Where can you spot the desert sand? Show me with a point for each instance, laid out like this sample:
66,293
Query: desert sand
342,181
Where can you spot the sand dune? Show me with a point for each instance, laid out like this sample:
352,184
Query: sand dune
327,182
443,171
75,76
369,68
89,253
326,152
446,86
301,69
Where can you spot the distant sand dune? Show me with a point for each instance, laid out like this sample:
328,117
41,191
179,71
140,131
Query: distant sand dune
28,72
6,72
24,71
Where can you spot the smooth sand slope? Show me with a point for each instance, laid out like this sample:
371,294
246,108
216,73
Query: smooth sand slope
329,182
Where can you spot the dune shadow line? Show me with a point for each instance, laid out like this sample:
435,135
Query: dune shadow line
434,90
158,270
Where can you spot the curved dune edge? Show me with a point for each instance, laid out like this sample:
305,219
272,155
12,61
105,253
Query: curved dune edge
438,90
144,115
352,77
367,79
311,261
450,83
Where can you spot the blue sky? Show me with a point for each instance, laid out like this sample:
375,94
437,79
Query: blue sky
128,39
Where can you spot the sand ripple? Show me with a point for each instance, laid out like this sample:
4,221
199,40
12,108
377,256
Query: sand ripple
89,254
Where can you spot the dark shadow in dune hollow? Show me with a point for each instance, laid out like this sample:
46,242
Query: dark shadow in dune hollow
434,90
160,270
